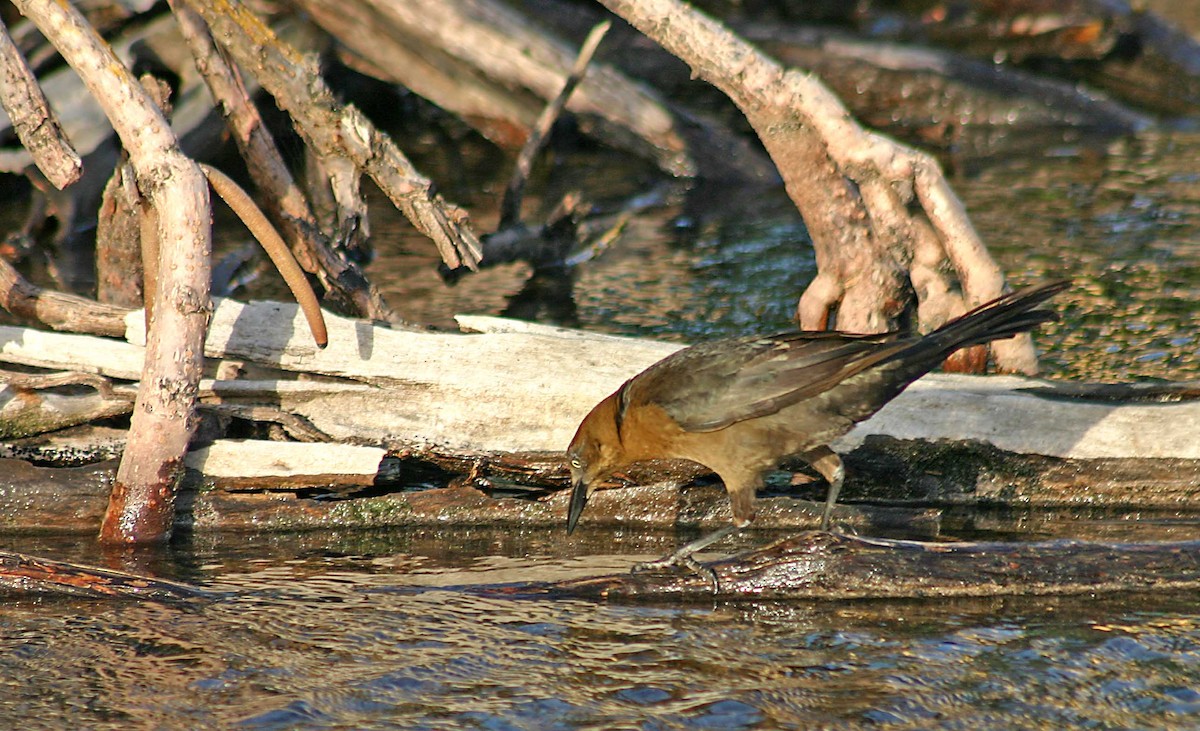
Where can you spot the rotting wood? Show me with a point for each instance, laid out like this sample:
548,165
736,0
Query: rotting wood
285,202
826,566
28,406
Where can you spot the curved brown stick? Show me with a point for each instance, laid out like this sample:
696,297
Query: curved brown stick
239,202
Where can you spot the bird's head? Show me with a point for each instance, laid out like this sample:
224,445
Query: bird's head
595,453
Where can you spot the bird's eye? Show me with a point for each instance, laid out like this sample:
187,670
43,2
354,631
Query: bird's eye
576,464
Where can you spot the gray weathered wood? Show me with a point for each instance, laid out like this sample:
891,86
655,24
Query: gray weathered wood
520,387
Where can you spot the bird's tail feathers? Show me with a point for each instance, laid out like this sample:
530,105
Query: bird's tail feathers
1003,317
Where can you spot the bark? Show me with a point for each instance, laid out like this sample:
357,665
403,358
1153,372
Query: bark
854,188
119,272
142,500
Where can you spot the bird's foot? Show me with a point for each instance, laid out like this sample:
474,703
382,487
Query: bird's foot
839,528
678,561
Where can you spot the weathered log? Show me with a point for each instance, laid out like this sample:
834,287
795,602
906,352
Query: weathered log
410,390
826,566
920,488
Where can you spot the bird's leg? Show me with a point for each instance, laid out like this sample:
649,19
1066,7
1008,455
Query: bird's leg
826,461
683,557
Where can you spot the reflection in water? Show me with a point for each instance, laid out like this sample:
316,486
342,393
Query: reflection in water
398,638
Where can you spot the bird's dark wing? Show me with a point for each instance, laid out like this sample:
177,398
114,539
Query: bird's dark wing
712,385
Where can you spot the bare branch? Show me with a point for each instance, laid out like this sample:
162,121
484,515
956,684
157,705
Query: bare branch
141,507
33,119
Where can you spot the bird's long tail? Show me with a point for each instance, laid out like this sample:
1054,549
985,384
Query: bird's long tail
1001,318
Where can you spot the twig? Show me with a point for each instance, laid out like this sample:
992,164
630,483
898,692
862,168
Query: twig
510,207
824,566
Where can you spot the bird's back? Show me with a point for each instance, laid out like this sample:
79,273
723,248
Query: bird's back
713,385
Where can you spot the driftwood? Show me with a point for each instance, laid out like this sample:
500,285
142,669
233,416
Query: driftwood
825,566
952,442
412,390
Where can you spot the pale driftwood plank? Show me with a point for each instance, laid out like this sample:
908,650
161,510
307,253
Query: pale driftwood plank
519,387
250,463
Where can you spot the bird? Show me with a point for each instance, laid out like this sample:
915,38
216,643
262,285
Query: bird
740,405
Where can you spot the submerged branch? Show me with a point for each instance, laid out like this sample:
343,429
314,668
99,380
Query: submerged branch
827,566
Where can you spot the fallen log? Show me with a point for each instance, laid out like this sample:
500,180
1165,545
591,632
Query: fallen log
519,387
496,407
826,566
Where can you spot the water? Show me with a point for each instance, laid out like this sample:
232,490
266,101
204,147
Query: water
385,631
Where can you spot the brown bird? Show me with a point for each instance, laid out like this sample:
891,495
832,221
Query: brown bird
738,406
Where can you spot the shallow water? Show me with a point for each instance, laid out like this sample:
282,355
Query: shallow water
387,631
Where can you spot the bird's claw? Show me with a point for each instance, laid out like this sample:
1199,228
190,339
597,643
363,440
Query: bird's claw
675,561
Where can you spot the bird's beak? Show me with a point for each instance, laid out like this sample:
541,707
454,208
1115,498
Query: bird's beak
579,497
